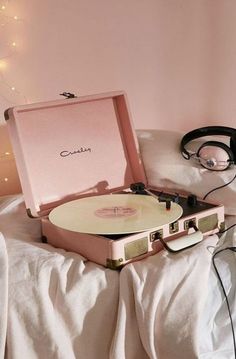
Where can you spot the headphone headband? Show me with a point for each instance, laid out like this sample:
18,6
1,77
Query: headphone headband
205,131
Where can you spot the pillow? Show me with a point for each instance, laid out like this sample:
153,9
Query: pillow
165,167
14,221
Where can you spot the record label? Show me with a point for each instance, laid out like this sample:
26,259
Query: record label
115,212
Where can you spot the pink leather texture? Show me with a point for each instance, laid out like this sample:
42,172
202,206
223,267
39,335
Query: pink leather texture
72,148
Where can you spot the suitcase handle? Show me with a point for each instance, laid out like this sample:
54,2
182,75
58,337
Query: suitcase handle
181,243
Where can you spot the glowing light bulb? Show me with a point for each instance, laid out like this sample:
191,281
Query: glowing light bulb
3,65
7,20
7,153
5,179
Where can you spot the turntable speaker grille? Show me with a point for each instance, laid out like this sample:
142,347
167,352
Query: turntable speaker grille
208,223
136,248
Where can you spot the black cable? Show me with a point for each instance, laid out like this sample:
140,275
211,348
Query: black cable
224,185
225,230
223,288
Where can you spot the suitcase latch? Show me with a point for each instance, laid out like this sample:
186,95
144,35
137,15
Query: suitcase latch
68,95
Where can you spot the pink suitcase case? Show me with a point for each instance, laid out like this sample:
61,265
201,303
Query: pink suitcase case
77,147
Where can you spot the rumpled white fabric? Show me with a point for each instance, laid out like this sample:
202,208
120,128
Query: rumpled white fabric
3,294
62,306
161,302
216,339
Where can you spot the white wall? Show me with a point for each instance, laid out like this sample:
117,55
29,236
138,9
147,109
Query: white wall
176,59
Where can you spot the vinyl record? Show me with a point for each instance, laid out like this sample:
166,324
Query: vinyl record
114,214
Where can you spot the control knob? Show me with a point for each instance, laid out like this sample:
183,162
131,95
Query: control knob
192,200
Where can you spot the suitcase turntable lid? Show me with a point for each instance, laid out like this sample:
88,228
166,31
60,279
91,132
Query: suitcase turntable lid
72,148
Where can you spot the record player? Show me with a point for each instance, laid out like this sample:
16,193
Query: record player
81,172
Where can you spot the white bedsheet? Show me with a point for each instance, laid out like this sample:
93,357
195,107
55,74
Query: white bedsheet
4,294
62,306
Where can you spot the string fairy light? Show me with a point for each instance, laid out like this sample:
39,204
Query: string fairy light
8,51
5,157
6,20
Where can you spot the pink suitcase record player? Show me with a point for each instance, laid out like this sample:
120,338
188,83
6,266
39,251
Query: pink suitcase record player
81,172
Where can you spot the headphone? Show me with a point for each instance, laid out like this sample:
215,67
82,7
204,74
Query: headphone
213,155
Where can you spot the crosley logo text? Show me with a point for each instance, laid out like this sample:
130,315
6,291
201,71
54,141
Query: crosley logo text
69,153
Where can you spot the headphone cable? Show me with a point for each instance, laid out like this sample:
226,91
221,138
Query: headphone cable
233,249
214,189
225,230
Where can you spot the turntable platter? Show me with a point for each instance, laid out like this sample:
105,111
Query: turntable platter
114,214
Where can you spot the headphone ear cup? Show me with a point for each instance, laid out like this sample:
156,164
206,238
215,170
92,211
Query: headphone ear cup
215,156
233,146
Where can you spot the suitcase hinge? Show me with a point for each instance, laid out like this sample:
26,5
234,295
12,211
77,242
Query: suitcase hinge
28,211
